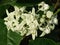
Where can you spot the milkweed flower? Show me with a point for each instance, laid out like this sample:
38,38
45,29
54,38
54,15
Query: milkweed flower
47,23
28,22
49,14
43,6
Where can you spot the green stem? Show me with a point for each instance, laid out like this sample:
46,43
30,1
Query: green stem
56,12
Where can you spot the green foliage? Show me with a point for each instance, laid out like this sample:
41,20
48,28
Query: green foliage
13,38
58,43
3,11
8,37
5,2
42,41
3,33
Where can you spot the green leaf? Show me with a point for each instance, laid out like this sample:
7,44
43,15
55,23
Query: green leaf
3,33
8,37
42,41
52,8
5,2
3,11
13,38
58,43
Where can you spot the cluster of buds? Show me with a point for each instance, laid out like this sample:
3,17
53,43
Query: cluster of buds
27,23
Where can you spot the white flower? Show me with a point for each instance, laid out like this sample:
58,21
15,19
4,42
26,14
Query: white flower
8,25
41,29
34,34
33,12
45,30
43,34
16,8
28,23
33,29
42,6
17,12
43,16
21,25
22,9
23,31
42,20
29,19
49,14
52,26
55,21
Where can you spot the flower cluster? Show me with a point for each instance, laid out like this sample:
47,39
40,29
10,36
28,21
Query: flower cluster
27,22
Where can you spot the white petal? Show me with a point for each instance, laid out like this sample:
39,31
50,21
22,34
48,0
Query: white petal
43,34
55,21
47,30
16,8
46,6
49,14
7,12
42,20
22,24
33,11
52,26
41,29
22,8
43,16
43,7
33,36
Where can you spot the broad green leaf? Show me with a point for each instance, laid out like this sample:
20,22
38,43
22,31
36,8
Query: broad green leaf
13,38
42,41
8,38
3,11
5,2
3,33
58,43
